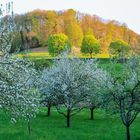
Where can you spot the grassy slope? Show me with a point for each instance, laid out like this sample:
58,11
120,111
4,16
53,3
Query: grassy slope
103,127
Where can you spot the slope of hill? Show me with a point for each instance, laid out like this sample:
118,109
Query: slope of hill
39,24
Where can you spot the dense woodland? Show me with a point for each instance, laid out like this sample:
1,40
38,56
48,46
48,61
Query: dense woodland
36,26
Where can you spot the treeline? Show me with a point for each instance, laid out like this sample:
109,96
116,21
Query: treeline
36,26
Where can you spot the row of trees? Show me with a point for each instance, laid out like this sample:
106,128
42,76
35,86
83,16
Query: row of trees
38,25
70,85
57,43
73,84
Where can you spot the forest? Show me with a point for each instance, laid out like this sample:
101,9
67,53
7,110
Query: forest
36,26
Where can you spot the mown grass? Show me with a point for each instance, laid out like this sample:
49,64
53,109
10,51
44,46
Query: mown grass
46,55
103,127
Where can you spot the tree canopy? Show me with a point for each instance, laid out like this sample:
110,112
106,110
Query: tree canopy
74,24
119,48
90,45
57,43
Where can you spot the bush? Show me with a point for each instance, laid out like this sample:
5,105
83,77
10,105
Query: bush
33,40
16,43
119,48
90,45
57,43
34,43
41,64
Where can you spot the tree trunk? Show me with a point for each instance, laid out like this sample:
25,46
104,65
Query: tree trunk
68,117
92,113
90,55
49,111
128,132
22,41
29,126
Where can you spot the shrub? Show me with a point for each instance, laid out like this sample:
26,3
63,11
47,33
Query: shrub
119,48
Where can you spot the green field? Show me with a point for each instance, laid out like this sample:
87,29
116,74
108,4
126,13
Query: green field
103,127
46,55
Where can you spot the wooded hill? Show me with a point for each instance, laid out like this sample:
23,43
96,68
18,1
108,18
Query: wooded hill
38,25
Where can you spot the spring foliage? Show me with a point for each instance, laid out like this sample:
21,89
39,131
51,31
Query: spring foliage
18,97
68,81
119,48
90,45
75,24
57,43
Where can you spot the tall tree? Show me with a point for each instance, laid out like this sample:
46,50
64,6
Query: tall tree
75,34
18,96
72,28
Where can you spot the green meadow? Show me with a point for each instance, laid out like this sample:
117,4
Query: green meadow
103,127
